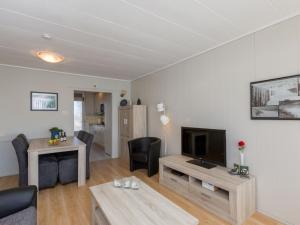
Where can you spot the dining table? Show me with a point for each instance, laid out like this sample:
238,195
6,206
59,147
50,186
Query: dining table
41,146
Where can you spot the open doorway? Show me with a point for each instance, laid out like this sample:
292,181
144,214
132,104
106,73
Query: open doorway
93,113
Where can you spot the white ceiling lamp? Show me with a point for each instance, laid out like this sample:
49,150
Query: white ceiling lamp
50,57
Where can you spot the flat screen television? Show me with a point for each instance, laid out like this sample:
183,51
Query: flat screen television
206,146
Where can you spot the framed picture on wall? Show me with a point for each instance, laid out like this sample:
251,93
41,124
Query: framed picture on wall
276,99
43,101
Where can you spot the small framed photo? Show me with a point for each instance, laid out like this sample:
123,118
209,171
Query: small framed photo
235,170
43,101
244,171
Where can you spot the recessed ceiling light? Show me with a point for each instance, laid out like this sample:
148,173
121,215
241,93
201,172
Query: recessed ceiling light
50,57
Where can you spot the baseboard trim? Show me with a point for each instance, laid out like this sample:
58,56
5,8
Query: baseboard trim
280,220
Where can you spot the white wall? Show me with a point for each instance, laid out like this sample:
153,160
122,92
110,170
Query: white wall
212,91
16,117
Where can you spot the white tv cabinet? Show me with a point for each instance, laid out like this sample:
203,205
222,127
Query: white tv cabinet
234,199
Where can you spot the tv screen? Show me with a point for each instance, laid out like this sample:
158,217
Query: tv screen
206,144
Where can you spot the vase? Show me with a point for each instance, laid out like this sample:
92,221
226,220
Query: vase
242,158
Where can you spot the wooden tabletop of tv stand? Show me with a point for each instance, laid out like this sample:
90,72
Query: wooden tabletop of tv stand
217,175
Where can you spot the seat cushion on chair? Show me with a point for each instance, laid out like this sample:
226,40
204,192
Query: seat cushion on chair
68,170
48,157
48,172
66,155
24,217
140,157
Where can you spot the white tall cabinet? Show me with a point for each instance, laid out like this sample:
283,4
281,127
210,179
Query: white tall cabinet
132,124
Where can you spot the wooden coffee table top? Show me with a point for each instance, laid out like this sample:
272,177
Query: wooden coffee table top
144,206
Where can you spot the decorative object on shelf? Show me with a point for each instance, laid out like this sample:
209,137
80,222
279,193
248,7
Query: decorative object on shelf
135,185
54,132
244,171
242,146
235,170
164,119
139,102
209,186
126,183
123,93
117,183
123,102
43,101
53,142
102,109
276,99
63,136
57,136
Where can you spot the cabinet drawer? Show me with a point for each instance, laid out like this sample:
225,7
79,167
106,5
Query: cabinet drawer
177,183
211,199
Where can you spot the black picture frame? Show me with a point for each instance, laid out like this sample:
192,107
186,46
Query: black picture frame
41,107
278,111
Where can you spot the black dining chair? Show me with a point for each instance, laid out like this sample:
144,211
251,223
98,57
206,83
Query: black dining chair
144,153
68,162
48,166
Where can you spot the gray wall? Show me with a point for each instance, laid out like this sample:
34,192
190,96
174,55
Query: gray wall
212,91
16,117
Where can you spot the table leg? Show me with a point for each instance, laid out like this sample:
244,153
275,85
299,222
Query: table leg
93,215
81,165
33,169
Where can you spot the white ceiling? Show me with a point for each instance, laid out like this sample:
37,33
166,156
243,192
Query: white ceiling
126,39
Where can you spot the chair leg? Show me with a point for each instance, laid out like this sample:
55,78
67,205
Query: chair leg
131,165
152,168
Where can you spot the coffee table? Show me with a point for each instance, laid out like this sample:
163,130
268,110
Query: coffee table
145,206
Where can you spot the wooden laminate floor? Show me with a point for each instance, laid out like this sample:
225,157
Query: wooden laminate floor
70,205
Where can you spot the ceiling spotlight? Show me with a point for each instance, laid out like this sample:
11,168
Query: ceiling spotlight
46,36
50,57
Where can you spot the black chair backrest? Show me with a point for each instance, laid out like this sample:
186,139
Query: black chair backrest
87,138
24,138
21,151
154,139
142,144
80,135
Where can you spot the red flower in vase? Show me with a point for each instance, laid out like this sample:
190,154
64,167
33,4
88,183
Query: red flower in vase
242,145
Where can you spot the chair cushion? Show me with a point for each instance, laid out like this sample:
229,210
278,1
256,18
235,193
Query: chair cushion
47,158
24,217
68,170
48,172
139,156
67,155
